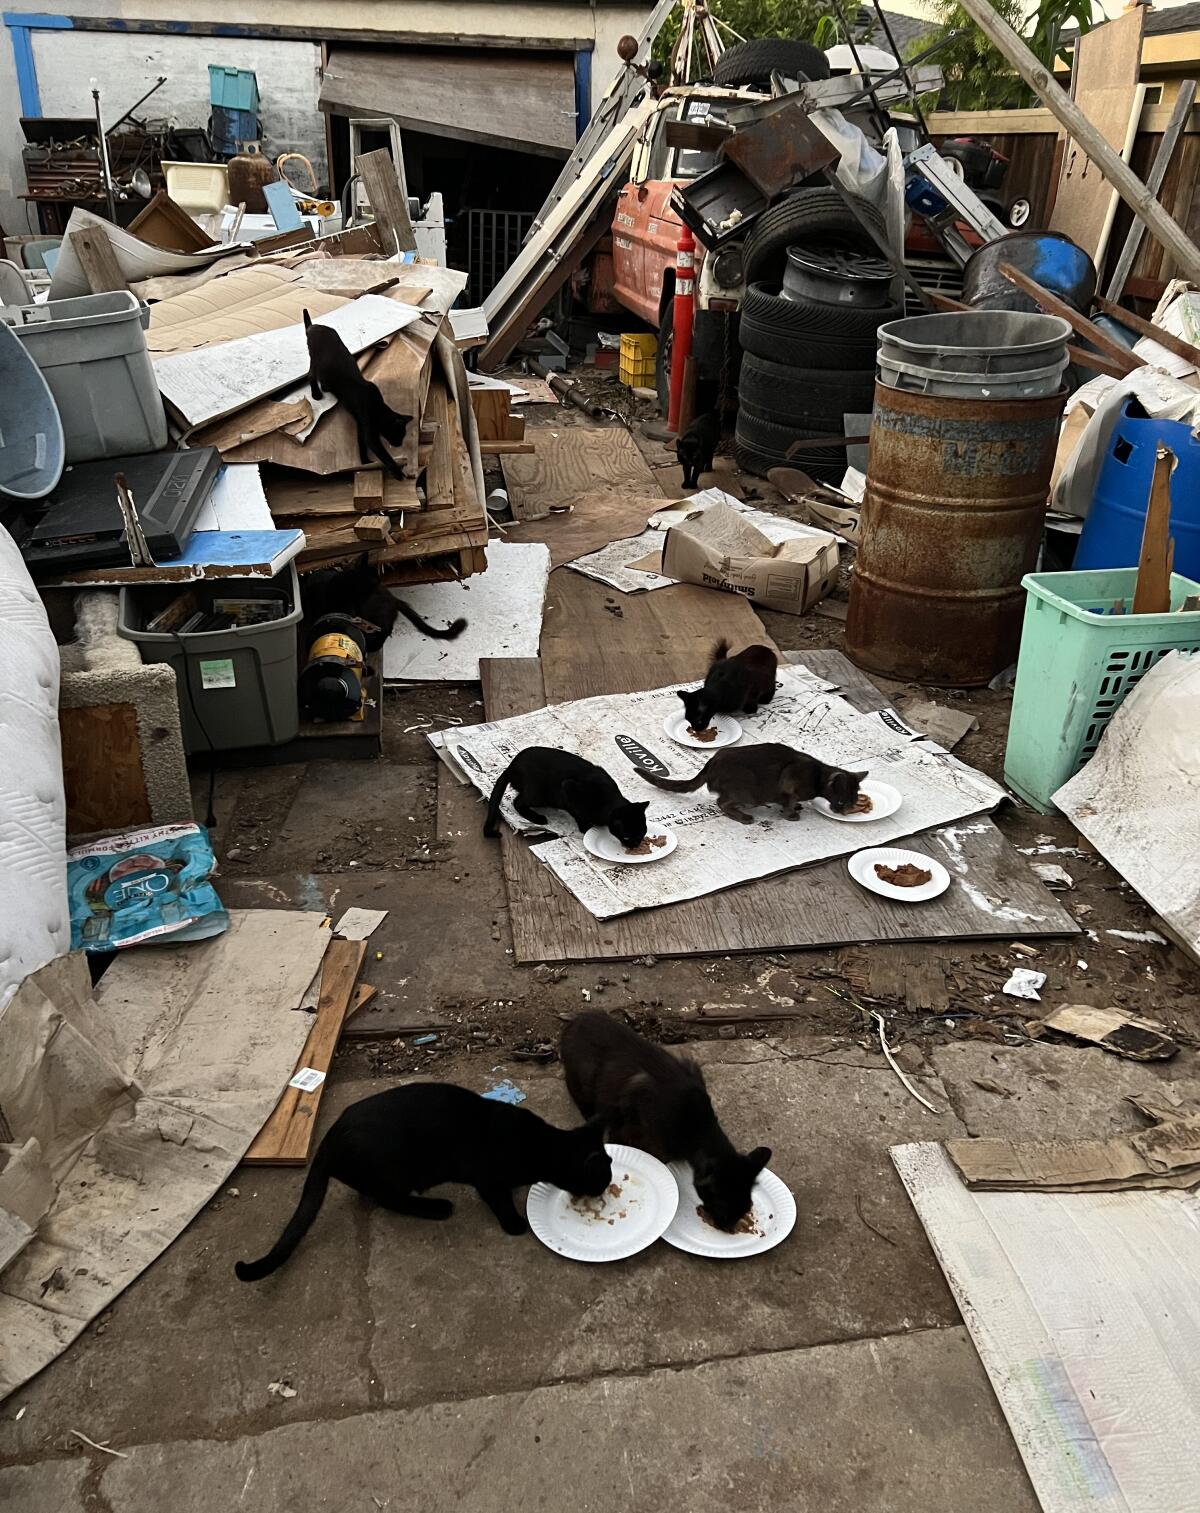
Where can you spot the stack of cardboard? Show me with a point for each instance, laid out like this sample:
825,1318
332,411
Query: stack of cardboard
226,339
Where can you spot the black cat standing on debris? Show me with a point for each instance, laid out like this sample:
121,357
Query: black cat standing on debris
658,1102
696,447
747,777
357,591
544,777
393,1146
332,367
733,685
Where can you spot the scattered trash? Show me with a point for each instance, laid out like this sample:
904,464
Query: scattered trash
1053,875
1024,983
282,1388
1113,1030
988,1085
359,924
944,725
424,1040
79,1434
1142,937
505,1091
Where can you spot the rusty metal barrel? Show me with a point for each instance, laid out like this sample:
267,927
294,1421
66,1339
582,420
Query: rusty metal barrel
951,521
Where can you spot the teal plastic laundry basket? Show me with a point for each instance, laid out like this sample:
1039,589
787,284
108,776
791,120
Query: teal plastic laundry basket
1078,661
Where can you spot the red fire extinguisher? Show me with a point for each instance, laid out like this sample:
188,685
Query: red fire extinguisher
681,339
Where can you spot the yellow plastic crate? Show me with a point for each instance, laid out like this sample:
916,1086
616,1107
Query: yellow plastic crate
638,352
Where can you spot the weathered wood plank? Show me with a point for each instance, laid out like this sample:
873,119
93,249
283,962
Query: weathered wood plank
573,461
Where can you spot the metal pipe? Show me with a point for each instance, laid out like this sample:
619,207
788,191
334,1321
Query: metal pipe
108,183
887,31
563,387
880,112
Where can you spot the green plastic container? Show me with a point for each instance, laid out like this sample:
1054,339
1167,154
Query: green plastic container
1078,661
233,88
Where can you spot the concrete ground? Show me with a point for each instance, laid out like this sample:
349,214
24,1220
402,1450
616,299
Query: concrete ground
400,1365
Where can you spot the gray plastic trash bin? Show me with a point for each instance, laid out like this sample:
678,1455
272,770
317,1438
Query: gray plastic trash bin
31,433
92,352
237,687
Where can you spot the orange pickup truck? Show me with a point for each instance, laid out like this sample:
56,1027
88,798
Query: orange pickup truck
646,230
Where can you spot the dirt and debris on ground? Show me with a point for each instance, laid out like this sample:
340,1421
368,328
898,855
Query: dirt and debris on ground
403,1366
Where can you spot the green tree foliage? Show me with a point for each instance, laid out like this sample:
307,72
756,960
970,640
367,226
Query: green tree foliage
977,76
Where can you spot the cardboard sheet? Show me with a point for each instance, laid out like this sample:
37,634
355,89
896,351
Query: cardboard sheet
264,297
714,852
238,502
1083,1309
593,522
141,1101
631,566
136,259
502,608
202,386
1138,800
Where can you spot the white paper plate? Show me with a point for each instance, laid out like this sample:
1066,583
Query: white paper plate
862,870
614,1226
727,728
774,1216
884,798
601,842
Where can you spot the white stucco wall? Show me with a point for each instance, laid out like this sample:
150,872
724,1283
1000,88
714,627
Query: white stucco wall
288,85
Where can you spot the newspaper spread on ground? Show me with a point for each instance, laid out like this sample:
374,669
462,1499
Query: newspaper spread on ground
611,564
624,734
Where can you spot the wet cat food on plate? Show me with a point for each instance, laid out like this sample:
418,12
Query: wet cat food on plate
907,875
646,847
746,1225
861,805
703,735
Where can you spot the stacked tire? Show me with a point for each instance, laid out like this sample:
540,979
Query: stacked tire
806,363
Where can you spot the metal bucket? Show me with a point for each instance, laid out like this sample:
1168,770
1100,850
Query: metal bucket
975,341
951,520
1035,384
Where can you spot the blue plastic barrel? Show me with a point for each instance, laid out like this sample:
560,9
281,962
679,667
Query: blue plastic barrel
1112,532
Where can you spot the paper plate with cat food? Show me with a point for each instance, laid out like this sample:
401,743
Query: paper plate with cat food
769,1221
907,876
632,1213
659,842
876,800
724,731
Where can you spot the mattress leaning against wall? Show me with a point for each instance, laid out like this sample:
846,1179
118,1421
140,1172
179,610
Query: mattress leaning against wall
35,925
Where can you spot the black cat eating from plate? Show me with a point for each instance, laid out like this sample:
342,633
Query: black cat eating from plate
656,1101
543,777
734,685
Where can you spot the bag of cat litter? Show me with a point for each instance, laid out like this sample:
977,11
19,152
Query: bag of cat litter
143,885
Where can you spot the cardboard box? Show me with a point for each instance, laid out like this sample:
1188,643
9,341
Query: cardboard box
721,549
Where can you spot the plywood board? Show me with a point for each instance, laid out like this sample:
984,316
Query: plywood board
594,521
519,100
287,1135
1107,91
400,370
817,907
1082,1309
573,461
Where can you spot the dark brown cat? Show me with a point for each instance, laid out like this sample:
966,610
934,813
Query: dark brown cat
657,1101
746,777
734,685
332,366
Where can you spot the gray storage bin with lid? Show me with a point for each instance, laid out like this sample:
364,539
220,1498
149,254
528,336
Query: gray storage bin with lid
92,352
237,687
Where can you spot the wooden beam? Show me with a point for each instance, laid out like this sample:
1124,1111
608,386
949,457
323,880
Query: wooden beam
1136,195
1167,339
1120,356
368,491
374,528
98,260
502,448
1180,116
387,199
285,1138
1152,593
